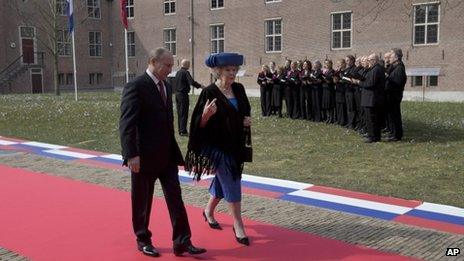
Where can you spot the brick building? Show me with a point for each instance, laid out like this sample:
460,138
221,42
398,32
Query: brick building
430,33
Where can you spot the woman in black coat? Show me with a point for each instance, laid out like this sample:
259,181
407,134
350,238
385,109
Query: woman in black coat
328,93
218,132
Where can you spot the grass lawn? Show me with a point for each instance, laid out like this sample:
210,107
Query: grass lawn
428,165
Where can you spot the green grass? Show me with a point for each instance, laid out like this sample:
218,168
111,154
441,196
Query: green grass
428,165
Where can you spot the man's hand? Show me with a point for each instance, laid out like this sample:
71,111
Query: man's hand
134,164
247,121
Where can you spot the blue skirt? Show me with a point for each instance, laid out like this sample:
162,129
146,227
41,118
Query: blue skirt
223,185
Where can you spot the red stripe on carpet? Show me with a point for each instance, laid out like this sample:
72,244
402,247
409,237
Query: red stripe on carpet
90,152
422,222
52,218
366,196
12,139
100,164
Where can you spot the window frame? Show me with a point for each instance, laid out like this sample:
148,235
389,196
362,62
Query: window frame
64,7
271,1
129,45
217,3
273,35
425,24
129,7
170,2
341,30
96,44
96,5
217,40
170,42
65,36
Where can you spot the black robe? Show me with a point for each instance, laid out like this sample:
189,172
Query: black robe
224,132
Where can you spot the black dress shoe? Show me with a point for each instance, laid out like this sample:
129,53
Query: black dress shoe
149,250
370,140
191,249
213,225
392,139
242,240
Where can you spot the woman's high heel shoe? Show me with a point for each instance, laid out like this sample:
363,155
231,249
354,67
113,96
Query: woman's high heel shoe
214,225
242,240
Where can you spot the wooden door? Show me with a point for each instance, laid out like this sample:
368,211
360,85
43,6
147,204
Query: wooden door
28,50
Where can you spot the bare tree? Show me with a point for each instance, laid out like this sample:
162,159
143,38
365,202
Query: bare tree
49,17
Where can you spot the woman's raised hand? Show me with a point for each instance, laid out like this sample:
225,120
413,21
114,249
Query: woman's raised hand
209,109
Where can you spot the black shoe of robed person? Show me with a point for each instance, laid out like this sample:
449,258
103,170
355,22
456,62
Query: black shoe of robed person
392,139
213,225
191,249
242,240
148,250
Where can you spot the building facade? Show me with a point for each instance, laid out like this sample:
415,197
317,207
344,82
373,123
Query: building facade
431,34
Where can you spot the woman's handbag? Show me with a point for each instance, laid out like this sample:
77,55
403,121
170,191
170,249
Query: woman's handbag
248,149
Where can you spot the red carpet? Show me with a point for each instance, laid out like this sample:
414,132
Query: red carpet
50,218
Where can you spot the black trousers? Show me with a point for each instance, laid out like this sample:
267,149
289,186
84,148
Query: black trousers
341,113
265,96
289,100
182,105
393,111
142,188
351,109
373,121
316,102
360,120
296,102
305,102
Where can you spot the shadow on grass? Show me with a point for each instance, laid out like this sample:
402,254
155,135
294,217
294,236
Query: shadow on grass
422,132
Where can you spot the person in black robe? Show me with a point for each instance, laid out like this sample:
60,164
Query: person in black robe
360,72
280,81
328,93
273,70
265,83
316,91
286,91
352,110
293,81
340,88
305,91
394,87
373,97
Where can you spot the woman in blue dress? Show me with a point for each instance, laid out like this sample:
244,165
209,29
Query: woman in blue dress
218,131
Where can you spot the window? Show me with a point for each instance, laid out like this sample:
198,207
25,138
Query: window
95,78
273,35
61,7
217,4
341,30
69,79
130,8
416,81
95,44
169,6
64,43
60,78
426,23
217,38
272,1
131,44
170,40
93,8
432,81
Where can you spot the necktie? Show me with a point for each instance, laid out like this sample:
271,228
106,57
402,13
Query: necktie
162,92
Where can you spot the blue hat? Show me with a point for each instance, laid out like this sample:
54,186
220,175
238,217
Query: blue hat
224,59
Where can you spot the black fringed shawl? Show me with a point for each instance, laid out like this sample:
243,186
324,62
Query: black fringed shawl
223,134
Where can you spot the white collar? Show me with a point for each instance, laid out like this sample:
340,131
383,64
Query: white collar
152,76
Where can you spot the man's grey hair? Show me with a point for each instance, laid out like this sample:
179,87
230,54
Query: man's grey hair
157,54
185,63
317,62
398,53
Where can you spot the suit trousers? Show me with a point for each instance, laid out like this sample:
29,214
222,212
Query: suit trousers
182,105
142,188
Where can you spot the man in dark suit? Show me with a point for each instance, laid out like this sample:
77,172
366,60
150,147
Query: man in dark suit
181,85
394,87
151,152
372,97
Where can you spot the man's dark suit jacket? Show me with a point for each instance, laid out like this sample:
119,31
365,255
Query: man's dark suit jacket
183,80
146,126
372,94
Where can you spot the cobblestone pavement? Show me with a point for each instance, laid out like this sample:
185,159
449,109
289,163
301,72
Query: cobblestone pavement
387,236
